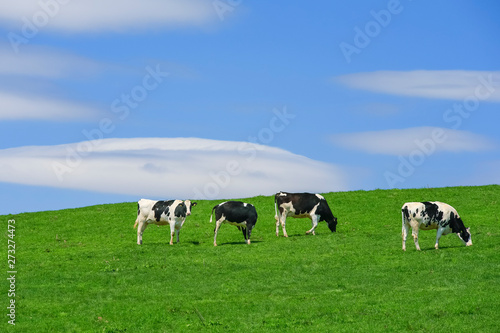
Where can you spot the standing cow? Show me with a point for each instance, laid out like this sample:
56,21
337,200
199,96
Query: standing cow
172,212
432,215
300,205
241,214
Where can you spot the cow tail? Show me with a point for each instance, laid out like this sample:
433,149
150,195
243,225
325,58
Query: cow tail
138,213
276,206
403,216
211,214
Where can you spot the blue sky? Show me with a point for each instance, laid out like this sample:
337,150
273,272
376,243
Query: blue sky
111,101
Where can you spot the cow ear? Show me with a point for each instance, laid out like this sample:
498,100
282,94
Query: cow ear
193,204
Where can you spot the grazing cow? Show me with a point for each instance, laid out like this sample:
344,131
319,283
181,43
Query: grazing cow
432,215
172,212
300,205
241,214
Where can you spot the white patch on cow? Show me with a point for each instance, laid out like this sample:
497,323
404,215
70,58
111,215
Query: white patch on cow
320,196
245,204
188,207
315,208
288,208
469,243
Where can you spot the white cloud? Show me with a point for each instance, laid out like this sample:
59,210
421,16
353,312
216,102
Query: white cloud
19,69
23,107
441,84
44,62
106,15
169,167
404,141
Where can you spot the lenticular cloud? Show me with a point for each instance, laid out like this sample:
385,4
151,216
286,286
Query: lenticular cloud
169,167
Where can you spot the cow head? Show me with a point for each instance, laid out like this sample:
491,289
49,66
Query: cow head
465,236
458,227
332,224
189,204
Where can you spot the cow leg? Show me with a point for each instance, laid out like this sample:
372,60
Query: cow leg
140,229
283,224
216,230
314,220
404,232
438,235
414,232
277,224
281,218
245,234
172,231
249,232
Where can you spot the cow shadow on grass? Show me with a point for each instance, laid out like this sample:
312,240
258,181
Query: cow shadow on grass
168,244
238,243
197,243
301,235
440,248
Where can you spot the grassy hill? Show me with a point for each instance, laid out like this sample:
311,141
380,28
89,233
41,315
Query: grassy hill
81,270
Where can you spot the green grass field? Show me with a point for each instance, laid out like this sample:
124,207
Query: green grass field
81,270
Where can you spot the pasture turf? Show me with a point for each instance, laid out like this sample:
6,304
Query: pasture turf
80,270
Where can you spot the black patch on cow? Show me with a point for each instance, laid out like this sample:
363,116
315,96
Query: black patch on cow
238,212
162,207
432,210
180,210
304,203
406,213
455,228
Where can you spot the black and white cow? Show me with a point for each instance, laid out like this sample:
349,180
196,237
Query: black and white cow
432,215
241,214
172,212
300,205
